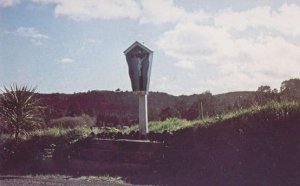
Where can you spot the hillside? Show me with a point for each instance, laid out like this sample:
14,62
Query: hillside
112,108
124,105
95,102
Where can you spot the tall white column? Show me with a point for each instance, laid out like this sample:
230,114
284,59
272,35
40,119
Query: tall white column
143,114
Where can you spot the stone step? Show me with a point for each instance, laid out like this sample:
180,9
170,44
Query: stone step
124,144
78,165
113,156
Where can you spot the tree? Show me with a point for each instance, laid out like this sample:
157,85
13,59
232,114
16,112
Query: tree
290,89
168,112
204,105
107,119
20,110
153,114
264,88
291,84
265,94
180,108
193,112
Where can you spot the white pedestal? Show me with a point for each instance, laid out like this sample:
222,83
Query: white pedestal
143,114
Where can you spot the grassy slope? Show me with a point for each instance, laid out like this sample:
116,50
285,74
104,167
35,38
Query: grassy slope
271,112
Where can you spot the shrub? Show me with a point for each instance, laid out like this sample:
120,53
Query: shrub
77,134
72,122
20,110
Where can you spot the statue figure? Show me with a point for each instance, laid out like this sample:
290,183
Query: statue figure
138,62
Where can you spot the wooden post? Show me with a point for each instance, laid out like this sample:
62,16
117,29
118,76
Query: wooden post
143,114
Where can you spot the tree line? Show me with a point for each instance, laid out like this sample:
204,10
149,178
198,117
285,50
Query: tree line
22,110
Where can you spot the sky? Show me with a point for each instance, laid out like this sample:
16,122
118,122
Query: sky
69,46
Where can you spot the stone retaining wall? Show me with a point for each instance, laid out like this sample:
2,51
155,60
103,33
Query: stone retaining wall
96,155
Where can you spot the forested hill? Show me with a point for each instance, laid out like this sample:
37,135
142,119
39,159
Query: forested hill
118,107
101,102
124,105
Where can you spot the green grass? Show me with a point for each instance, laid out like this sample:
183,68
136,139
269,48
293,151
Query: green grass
56,132
71,134
273,111
103,178
169,125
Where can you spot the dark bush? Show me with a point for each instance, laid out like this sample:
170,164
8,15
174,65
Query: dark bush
72,122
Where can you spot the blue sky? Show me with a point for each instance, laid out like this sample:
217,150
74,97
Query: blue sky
77,45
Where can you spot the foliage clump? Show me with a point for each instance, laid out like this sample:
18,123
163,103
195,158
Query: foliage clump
72,122
20,111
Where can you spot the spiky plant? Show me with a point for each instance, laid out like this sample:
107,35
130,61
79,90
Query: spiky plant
20,110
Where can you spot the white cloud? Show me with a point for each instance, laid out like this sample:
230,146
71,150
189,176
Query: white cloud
160,11
246,48
145,11
166,11
8,3
240,63
66,60
284,20
95,9
166,84
191,43
30,32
